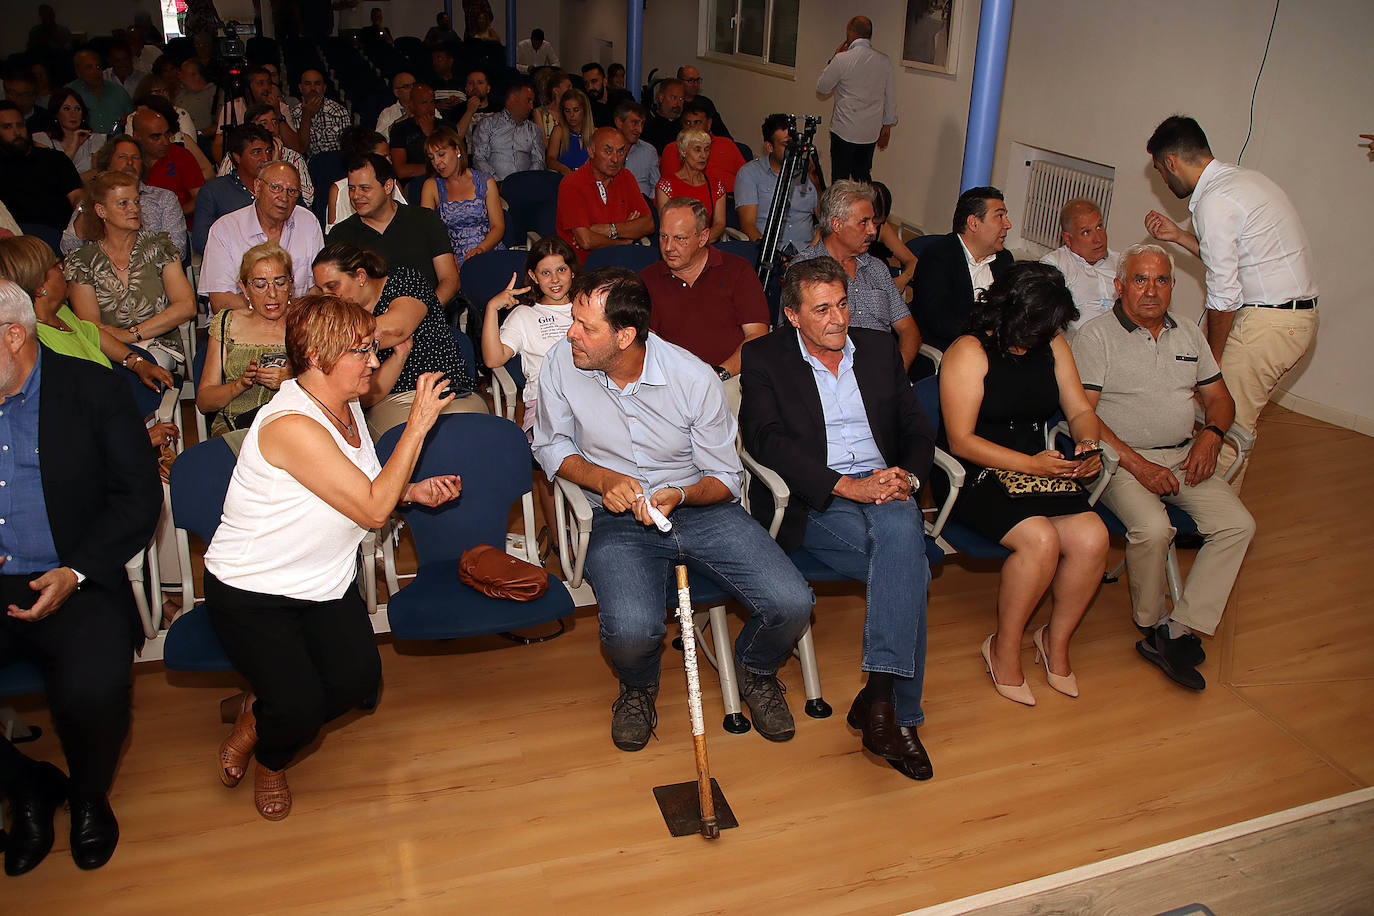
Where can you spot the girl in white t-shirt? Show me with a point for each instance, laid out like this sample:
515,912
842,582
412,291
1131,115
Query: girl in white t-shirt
535,324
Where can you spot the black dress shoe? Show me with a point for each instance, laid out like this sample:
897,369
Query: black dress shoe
877,722
914,762
1172,658
1187,647
95,832
34,798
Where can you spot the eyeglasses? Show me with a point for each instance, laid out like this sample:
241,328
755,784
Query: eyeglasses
369,350
278,188
261,283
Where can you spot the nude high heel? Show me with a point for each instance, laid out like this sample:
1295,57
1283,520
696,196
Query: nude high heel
1066,684
1021,693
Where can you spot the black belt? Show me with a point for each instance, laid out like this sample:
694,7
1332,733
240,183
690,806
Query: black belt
1290,304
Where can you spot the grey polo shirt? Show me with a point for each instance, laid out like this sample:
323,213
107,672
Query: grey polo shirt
1147,385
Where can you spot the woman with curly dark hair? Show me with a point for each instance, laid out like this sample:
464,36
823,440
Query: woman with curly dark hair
999,384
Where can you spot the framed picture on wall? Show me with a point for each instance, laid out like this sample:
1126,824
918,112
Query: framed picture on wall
932,35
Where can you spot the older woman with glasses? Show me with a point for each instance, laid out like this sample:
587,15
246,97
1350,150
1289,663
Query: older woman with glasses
126,280
245,362
281,572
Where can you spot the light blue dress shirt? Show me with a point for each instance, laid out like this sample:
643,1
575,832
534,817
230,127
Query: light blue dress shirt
849,445
670,427
500,147
642,161
25,538
755,183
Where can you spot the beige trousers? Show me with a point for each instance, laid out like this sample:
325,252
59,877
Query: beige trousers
1224,523
393,410
1264,344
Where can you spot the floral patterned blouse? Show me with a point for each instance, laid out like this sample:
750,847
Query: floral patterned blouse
144,297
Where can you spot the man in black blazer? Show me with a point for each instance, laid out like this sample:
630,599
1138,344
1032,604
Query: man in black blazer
79,496
830,409
955,269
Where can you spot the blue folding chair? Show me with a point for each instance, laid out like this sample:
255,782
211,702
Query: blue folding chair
481,277
531,205
633,257
493,458
918,245
744,248
17,679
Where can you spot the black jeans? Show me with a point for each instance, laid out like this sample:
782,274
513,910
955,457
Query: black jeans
85,650
850,160
308,662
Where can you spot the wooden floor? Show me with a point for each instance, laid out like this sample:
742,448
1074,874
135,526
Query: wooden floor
486,781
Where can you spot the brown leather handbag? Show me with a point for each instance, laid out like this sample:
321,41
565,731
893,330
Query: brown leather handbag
497,574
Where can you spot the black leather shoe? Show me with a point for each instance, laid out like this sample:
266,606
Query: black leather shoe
1188,647
1171,657
34,798
877,722
914,762
95,832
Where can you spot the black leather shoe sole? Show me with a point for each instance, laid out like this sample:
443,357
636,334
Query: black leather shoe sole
1187,677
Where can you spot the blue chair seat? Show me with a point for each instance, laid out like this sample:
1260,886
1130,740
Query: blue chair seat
1182,521
972,544
20,678
191,644
436,604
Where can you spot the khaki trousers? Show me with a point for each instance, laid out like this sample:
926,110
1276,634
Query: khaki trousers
1264,344
393,410
1224,523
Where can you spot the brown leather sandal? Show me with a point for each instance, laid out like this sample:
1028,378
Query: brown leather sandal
237,748
270,788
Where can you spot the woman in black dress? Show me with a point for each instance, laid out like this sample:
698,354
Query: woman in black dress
999,384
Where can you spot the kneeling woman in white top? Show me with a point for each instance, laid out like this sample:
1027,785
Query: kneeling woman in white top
281,572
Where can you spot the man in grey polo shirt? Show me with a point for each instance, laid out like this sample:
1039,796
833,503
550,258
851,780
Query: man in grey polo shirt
1140,368
847,231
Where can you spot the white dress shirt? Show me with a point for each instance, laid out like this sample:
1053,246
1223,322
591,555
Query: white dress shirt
979,271
1092,285
389,116
527,57
865,96
1253,244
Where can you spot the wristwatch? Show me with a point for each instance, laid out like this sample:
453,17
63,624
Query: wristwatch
913,482
615,233
1216,429
723,372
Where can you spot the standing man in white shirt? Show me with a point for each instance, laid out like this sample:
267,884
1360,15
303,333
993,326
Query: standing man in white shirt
865,102
535,52
1088,265
1261,294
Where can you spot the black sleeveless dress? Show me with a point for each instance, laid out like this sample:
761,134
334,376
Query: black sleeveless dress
1020,394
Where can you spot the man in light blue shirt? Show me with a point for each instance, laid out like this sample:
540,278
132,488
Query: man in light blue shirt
636,421
642,158
509,142
756,181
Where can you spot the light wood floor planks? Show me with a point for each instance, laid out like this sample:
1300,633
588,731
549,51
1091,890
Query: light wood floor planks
486,781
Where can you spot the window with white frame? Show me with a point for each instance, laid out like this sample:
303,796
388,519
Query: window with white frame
751,31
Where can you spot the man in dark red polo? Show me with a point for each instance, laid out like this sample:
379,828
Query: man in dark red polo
599,204
704,300
172,167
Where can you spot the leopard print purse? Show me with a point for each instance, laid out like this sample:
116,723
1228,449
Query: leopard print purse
1019,484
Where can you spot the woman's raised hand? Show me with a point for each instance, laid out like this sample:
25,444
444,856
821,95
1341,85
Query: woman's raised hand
432,395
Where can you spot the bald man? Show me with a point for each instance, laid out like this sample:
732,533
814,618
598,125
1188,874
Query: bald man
599,204
274,217
106,99
171,166
865,102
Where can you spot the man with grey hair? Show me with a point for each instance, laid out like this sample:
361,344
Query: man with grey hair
70,526
705,300
847,230
865,101
1142,369
273,217
1088,265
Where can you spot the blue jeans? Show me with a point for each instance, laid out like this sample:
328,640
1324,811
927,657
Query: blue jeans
630,564
885,547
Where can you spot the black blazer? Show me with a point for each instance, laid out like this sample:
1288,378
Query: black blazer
942,291
100,479
783,423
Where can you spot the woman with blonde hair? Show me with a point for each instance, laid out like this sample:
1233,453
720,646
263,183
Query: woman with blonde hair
245,362
549,86
694,146
128,281
565,150
468,201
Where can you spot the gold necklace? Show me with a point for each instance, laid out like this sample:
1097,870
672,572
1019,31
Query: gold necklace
127,264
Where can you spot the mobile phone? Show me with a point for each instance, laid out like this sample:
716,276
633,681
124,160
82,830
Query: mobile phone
1084,456
272,360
